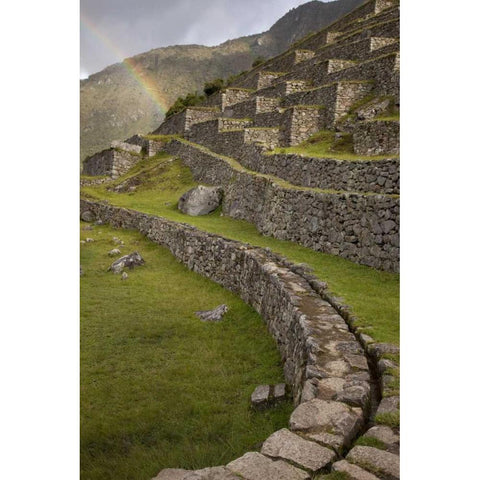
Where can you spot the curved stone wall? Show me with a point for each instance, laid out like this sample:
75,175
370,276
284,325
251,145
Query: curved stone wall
324,363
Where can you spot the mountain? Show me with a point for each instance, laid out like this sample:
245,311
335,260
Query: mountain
132,96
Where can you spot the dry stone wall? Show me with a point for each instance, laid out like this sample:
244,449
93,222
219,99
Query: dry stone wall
377,137
337,98
325,363
110,162
361,228
181,122
382,71
379,176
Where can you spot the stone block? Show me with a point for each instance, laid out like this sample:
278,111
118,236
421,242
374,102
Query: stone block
354,472
389,405
172,474
289,446
213,473
260,396
384,434
323,416
383,463
255,466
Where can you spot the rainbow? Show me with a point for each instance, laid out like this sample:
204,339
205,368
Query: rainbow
135,70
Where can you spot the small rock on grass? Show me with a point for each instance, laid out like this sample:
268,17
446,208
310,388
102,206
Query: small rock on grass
124,275
214,315
132,260
87,216
89,240
114,252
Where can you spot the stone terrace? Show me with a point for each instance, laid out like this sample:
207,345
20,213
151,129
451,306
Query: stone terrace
322,84
343,80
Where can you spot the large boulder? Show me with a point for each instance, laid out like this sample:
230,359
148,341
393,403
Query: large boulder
200,200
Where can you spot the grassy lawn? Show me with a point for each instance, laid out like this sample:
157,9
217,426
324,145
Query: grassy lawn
160,388
372,294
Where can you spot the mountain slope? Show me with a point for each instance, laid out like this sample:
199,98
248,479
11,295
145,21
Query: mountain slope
132,96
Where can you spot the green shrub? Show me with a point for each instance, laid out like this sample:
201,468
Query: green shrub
213,87
181,103
258,61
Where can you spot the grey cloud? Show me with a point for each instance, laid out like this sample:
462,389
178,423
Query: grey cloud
114,29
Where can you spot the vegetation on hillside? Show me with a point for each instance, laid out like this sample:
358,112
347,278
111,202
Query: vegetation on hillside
181,103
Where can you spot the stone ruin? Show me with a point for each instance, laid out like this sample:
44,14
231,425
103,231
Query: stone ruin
343,79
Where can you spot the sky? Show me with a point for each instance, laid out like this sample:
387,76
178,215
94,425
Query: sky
111,30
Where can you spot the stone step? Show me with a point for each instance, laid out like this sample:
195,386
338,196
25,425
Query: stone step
354,472
382,463
382,70
333,33
329,37
363,23
366,10
330,423
390,28
377,137
288,446
255,466
387,436
211,473
358,51
337,98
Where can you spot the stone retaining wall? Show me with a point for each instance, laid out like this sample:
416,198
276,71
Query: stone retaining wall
128,147
181,122
301,122
381,70
379,176
377,137
337,98
324,362
361,228
109,162
151,147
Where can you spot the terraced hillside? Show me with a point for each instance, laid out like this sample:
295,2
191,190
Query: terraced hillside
305,147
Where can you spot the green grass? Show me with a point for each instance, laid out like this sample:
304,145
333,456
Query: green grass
160,388
161,138
372,294
333,476
323,144
371,442
391,419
